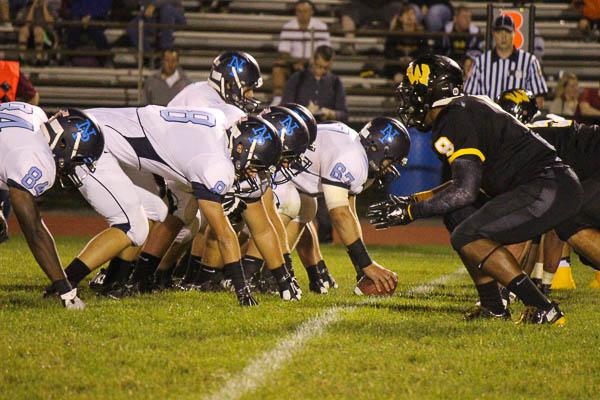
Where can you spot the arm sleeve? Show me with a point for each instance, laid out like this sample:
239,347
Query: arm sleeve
341,110
210,177
466,181
30,171
535,79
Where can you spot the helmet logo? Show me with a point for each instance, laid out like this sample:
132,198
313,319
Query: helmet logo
289,125
389,133
261,135
84,129
418,73
237,63
517,96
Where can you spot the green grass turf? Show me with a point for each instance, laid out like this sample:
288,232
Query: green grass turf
188,345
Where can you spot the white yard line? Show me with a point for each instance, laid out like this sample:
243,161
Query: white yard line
431,285
262,367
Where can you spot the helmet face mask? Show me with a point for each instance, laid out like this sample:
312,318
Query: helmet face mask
255,148
428,79
76,140
233,74
295,139
386,142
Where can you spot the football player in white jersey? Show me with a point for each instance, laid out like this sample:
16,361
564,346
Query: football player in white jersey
259,206
229,88
342,164
189,146
33,152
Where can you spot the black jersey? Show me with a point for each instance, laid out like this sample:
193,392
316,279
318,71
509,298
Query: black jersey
510,152
576,144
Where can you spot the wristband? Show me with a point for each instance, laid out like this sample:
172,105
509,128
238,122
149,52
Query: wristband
358,254
422,196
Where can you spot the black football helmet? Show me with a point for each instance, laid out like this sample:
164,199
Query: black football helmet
255,144
75,139
429,79
294,139
519,103
308,118
231,74
385,139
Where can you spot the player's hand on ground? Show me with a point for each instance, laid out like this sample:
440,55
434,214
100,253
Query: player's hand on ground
391,212
385,280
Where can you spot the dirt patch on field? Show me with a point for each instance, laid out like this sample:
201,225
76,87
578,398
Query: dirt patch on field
83,225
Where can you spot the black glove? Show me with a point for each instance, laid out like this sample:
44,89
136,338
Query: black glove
391,212
233,207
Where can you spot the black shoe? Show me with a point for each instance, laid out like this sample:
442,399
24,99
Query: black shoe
327,277
244,296
546,289
267,283
97,282
318,286
552,316
208,286
480,312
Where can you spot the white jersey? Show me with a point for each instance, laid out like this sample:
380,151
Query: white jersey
201,94
26,160
338,159
184,145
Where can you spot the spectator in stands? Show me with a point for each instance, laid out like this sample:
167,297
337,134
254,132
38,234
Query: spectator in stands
435,14
367,13
589,103
161,87
566,102
504,67
216,5
589,24
4,13
16,86
317,88
296,44
465,48
157,11
87,11
10,9
38,20
400,50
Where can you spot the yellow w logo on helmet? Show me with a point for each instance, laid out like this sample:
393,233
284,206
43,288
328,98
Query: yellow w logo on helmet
418,73
517,96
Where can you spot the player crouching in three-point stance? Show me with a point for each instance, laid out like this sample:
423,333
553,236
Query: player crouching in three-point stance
342,163
531,190
34,151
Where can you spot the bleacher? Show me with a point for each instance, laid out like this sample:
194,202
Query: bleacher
254,25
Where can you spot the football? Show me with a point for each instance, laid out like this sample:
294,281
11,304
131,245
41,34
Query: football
366,287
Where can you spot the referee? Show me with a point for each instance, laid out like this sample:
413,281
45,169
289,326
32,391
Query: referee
505,67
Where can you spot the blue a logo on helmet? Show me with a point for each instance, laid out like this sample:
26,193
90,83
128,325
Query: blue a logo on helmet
84,129
237,63
389,133
290,125
261,135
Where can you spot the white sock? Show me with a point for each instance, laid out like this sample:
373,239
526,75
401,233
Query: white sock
538,269
564,262
547,278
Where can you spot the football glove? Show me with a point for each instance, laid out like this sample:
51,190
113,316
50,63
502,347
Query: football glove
233,207
71,302
394,211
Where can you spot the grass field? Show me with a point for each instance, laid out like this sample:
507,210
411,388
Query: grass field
198,345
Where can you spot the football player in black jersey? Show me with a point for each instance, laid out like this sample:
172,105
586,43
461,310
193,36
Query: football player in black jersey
579,146
531,190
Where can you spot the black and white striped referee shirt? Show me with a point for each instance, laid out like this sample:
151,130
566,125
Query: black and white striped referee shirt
492,75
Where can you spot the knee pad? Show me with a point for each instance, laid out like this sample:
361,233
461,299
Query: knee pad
287,200
308,209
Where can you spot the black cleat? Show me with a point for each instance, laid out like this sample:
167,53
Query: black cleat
480,312
97,282
244,296
538,316
326,276
318,286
